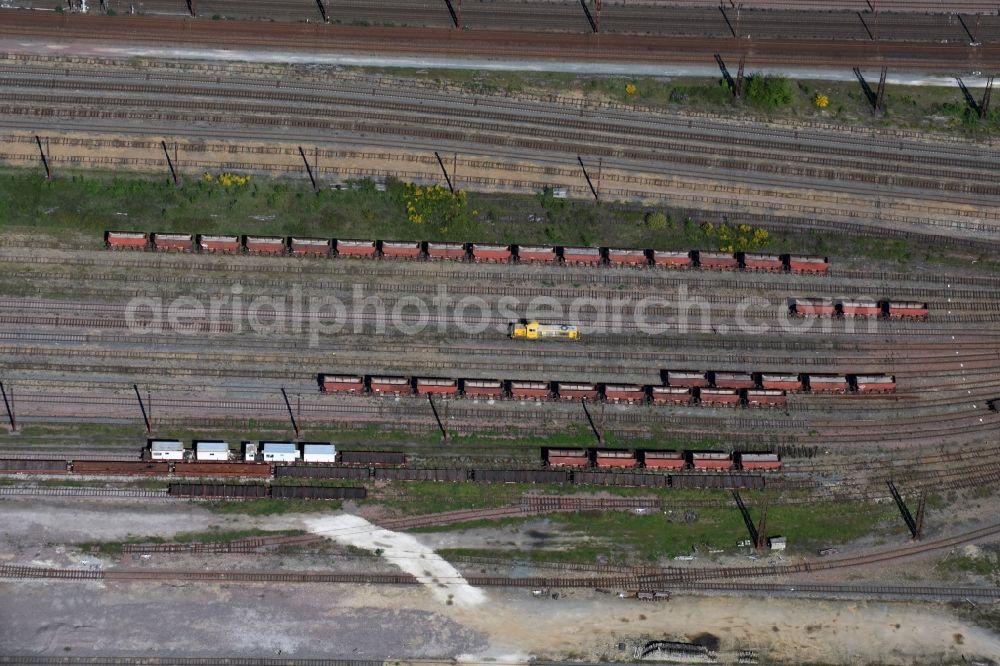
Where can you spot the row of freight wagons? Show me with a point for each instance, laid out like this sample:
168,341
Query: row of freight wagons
252,452
862,308
480,252
675,460
795,383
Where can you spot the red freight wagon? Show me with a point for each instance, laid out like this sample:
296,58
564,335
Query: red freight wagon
356,248
568,457
901,310
619,257
529,390
808,264
454,251
670,395
317,247
717,261
615,459
766,398
401,249
828,383
491,253
711,460
482,388
781,382
264,244
584,256
860,308
762,461
686,379
173,242
126,240
719,397
664,459
536,254
672,259
732,380
813,307
625,392
569,391
390,385
763,262
343,384
226,244
427,386
875,383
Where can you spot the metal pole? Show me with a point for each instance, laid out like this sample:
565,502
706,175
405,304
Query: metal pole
586,175
445,172
295,425
590,420
10,407
444,431
145,417
309,170
45,159
170,163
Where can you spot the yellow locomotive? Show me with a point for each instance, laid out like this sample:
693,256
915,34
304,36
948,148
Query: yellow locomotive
533,330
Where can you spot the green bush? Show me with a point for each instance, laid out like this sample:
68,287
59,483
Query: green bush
768,92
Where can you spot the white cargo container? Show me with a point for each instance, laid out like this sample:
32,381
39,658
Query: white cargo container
319,453
281,452
166,449
211,450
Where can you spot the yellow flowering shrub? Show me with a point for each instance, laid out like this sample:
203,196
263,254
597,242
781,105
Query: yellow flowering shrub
821,101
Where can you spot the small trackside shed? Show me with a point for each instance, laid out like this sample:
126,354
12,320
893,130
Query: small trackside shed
126,240
573,391
567,457
219,244
319,452
390,385
780,382
670,395
211,450
356,248
828,383
499,254
719,397
532,254
264,244
686,379
764,461
623,257
608,458
173,242
808,264
436,386
402,249
766,398
582,256
342,384
664,459
452,251
732,380
166,449
625,392
711,460
482,388
672,259
314,247
280,451
718,261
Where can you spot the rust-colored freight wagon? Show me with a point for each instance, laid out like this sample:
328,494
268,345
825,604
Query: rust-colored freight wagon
452,251
497,254
718,261
608,458
808,264
356,248
670,395
173,242
719,397
536,254
875,383
126,240
664,459
482,388
813,307
906,310
573,391
828,383
625,393
770,263
530,390
567,457
436,386
732,380
860,308
264,244
389,385
313,247
760,461
219,244
672,259
711,460
402,249
686,379
342,384
766,398
582,256
622,257
780,382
